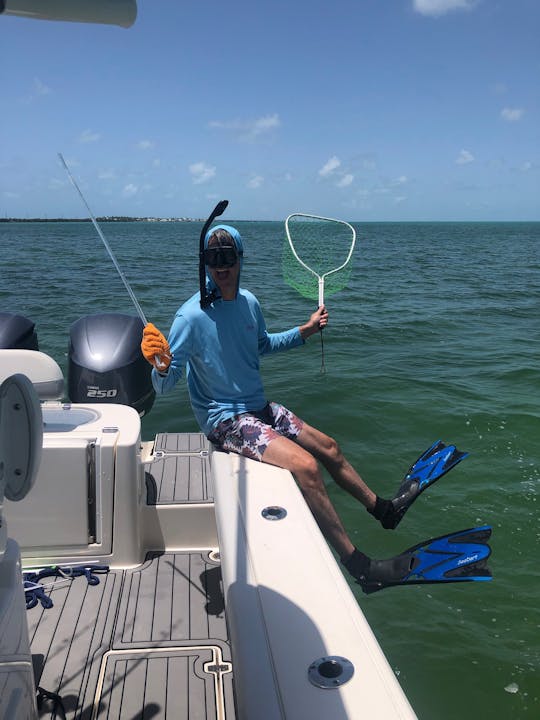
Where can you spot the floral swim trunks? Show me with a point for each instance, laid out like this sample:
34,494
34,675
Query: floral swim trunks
250,433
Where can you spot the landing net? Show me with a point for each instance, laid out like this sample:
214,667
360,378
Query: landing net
316,255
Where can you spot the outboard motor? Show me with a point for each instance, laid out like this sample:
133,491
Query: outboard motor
106,364
17,332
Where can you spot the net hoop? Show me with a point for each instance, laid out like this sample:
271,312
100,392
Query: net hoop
321,278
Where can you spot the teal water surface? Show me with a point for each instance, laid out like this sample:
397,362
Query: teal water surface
436,336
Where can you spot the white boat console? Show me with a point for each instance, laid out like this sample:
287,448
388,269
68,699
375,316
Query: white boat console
90,465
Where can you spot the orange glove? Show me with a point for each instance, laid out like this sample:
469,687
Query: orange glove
155,348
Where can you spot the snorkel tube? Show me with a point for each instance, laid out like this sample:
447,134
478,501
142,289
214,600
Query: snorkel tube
208,298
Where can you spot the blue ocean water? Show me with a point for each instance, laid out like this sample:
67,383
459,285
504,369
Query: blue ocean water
437,335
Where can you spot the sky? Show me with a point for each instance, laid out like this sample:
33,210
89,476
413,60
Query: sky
362,110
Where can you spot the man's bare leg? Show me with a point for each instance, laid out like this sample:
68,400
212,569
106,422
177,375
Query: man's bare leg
326,449
289,455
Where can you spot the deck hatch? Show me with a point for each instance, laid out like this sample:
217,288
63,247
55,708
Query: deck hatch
161,681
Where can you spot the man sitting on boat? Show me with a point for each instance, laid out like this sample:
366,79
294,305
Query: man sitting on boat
219,345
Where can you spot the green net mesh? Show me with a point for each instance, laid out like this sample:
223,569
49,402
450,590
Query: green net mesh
323,245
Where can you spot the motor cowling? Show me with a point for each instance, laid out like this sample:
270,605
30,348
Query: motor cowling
17,332
105,362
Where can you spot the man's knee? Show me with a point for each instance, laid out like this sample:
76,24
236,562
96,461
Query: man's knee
306,469
331,450
291,456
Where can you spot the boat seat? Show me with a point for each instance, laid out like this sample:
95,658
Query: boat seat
21,440
43,372
21,431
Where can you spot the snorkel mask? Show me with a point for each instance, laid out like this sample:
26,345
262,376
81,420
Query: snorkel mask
221,256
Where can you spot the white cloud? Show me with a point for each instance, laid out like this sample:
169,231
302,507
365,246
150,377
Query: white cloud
333,169
87,136
255,182
130,190
265,123
146,144
249,130
330,166
201,173
435,8
345,181
40,88
464,158
401,180
512,114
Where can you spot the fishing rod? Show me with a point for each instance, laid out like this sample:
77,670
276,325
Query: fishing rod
159,362
107,246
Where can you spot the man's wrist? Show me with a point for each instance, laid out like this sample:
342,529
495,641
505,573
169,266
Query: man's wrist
306,331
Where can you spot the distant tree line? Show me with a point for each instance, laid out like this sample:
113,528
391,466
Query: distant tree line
112,218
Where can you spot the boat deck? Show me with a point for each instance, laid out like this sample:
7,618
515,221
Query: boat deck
181,471
149,642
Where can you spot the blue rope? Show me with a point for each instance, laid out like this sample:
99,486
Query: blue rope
34,592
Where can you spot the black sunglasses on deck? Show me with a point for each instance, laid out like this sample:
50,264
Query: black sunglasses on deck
224,257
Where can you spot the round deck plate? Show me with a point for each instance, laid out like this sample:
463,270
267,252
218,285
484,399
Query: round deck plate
330,672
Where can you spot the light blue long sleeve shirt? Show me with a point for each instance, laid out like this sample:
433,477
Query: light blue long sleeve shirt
220,348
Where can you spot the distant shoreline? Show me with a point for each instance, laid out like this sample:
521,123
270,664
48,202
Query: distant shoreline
125,219
114,218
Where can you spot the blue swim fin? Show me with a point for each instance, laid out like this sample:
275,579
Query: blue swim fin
435,462
457,557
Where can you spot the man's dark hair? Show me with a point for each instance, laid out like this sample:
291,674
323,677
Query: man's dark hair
222,238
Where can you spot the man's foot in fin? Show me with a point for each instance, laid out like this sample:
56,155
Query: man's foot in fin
377,574
435,462
457,557
357,564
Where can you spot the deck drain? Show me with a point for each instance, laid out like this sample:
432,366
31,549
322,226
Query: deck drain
274,512
330,672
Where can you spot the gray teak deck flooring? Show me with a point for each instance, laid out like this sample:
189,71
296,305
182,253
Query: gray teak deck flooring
182,475
150,642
